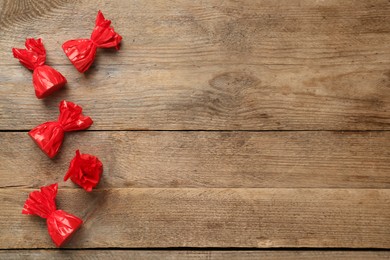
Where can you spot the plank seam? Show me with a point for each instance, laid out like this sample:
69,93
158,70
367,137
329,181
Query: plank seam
337,249
214,130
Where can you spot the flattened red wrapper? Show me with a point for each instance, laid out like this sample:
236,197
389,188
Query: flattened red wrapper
46,80
85,170
49,136
81,52
60,224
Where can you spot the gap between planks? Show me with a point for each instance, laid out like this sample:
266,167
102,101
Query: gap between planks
196,253
210,130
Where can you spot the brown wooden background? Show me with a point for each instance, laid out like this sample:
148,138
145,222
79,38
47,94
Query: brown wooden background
223,125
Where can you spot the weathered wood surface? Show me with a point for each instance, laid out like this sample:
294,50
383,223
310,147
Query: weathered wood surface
182,254
253,65
199,217
197,33
208,159
209,98
208,65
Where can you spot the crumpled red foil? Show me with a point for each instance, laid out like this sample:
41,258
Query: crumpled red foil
81,52
46,80
85,170
49,136
60,224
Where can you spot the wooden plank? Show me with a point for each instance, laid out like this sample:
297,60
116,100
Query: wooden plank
208,159
197,33
184,254
264,218
209,65
212,65
222,97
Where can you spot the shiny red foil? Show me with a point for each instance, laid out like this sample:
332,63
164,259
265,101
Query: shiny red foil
85,170
49,136
81,52
60,224
46,80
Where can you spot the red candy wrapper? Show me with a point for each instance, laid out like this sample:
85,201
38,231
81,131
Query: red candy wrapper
49,136
85,170
46,80
81,52
60,224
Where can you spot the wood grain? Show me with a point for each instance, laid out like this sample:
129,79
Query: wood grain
208,218
207,65
211,65
197,33
184,254
208,159
209,98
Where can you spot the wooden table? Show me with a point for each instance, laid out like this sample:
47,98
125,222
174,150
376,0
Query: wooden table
224,127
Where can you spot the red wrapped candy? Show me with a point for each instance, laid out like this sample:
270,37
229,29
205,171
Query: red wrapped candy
81,52
60,224
46,80
85,170
48,136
